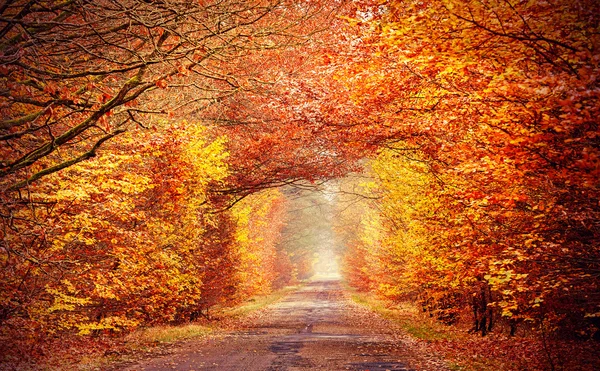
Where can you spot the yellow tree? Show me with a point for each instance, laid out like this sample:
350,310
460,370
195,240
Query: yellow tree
260,220
125,239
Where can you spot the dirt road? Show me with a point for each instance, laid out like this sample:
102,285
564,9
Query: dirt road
315,327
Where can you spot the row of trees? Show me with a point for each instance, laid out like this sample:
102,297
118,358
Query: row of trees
137,160
131,238
487,176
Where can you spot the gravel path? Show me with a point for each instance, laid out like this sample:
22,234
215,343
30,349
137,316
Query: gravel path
315,327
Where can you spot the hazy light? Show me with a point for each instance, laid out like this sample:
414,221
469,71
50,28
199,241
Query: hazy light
326,265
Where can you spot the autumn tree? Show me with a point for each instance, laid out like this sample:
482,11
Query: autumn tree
75,74
260,219
497,100
122,240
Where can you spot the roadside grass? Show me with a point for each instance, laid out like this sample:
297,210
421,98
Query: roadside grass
408,317
438,337
168,334
453,342
106,352
256,303
455,367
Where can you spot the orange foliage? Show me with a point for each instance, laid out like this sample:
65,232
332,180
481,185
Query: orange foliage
499,103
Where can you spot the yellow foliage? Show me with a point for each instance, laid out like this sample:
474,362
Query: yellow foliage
65,301
108,323
255,239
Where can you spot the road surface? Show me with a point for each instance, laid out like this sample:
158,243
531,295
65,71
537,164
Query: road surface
315,327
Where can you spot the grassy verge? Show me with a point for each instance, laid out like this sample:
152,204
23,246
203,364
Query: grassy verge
256,303
168,334
102,353
408,317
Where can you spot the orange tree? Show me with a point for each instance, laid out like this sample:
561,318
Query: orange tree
499,102
75,74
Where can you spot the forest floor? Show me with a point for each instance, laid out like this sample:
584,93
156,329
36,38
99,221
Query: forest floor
317,326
